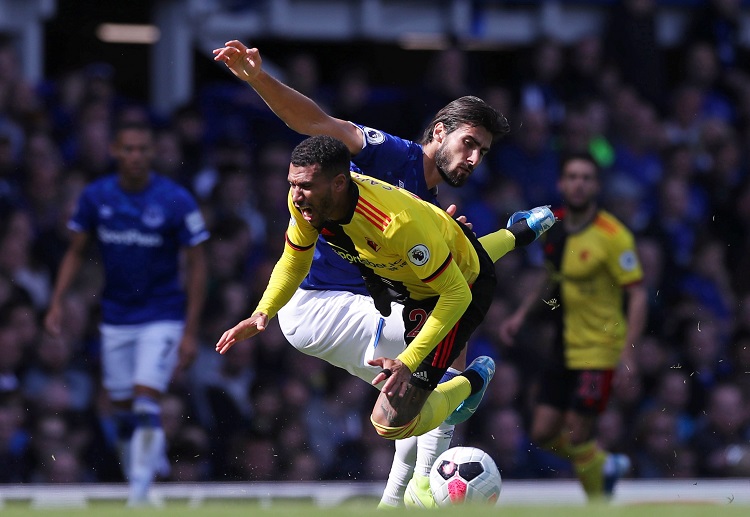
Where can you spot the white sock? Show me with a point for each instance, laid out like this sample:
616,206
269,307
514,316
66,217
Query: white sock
147,448
123,451
145,453
402,469
431,445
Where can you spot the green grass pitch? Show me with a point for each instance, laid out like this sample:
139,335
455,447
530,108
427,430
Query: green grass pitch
366,508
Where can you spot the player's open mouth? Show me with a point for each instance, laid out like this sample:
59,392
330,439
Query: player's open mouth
306,213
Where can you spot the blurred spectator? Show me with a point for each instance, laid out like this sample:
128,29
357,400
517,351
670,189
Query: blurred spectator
723,433
530,159
638,147
740,360
504,438
722,183
706,359
585,75
252,458
717,22
631,41
11,352
18,261
707,283
54,364
540,85
657,436
652,358
438,87
703,71
673,395
14,439
683,123
674,224
168,158
235,196
189,125
357,98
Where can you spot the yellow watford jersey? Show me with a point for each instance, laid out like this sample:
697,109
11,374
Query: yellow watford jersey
592,266
416,246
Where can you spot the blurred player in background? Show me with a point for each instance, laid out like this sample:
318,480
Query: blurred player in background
592,267
142,224
334,291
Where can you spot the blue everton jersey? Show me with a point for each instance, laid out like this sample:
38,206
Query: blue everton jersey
386,157
139,235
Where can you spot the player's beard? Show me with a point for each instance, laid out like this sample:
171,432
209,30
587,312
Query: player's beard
579,208
322,211
451,177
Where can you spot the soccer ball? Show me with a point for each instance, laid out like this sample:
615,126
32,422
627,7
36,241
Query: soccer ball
465,475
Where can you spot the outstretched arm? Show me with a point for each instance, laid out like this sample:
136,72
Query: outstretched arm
69,267
637,312
195,288
298,111
286,276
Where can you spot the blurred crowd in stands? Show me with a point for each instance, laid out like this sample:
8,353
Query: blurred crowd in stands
675,150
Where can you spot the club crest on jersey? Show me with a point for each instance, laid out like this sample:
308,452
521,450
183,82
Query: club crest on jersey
371,243
105,211
373,136
419,255
153,216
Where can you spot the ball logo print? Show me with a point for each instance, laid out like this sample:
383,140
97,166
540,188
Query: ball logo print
465,475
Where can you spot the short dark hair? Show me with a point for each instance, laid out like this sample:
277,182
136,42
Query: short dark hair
134,125
579,155
471,111
330,153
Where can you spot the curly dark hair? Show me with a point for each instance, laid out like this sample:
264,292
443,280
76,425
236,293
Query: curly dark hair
330,153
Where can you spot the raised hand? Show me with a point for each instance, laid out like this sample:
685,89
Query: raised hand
244,62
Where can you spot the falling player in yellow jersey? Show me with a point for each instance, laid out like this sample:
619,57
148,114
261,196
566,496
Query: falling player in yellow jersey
592,266
435,265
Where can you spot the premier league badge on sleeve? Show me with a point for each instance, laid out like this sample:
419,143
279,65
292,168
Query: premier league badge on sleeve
373,136
419,255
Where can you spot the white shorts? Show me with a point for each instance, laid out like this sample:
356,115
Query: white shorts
144,355
342,328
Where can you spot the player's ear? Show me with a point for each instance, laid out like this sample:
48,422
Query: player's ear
341,182
438,132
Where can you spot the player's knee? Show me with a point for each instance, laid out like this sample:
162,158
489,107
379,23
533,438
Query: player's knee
397,432
147,412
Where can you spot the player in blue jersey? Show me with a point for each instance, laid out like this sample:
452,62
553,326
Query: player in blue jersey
142,224
331,315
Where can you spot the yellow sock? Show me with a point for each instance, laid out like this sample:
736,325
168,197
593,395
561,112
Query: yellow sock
441,403
588,460
498,243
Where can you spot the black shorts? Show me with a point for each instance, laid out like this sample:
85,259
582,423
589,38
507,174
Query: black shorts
583,391
431,369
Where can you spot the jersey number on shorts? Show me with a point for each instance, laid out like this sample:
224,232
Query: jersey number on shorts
420,316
